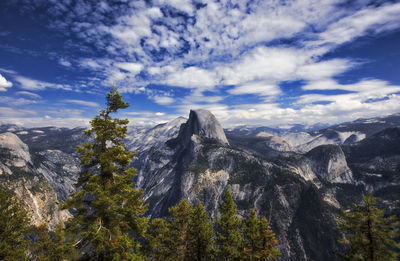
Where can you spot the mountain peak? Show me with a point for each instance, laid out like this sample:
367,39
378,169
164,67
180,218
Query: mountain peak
204,124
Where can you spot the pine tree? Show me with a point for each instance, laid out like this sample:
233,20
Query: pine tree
268,250
259,239
107,208
50,246
42,246
229,238
252,232
14,226
367,233
61,250
160,240
179,229
201,235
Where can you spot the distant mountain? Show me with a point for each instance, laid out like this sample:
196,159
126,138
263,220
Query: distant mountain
298,179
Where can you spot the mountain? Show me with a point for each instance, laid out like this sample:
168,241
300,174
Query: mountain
299,180
20,174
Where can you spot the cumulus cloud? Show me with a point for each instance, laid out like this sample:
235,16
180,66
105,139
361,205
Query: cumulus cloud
231,48
4,84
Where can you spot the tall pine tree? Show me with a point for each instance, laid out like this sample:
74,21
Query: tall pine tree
14,226
108,210
201,235
268,250
367,234
229,238
179,228
159,240
260,240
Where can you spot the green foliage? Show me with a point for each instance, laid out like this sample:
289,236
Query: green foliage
229,237
179,232
14,225
159,240
200,235
367,233
186,235
260,240
51,246
108,209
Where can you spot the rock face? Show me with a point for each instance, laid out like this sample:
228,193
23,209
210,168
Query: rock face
19,151
301,193
328,162
203,124
19,175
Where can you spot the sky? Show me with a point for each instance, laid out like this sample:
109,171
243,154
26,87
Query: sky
272,63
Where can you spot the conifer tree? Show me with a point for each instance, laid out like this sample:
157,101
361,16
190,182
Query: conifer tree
42,246
268,250
367,233
259,239
51,246
252,233
107,208
201,235
160,241
179,229
14,225
229,238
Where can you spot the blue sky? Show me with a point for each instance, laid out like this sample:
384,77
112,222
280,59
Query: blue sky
271,63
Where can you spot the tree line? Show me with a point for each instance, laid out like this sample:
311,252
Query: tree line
108,220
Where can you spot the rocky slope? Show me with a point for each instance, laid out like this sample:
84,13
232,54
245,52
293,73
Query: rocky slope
19,174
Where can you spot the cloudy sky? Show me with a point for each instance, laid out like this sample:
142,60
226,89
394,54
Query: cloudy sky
272,62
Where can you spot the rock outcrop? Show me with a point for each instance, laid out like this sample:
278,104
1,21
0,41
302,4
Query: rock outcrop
203,124
329,163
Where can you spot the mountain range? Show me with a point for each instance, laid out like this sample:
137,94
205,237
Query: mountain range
299,178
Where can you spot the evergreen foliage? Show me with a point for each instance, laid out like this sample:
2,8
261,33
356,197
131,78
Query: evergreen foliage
201,235
367,233
14,225
108,210
229,238
260,240
51,246
160,241
179,229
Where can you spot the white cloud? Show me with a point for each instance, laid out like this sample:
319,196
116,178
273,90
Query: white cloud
261,88
4,84
193,77
324,69
133,68
13,112
45,121
163,100
263,63
365,21
28,94
64,62
32,84
83,103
